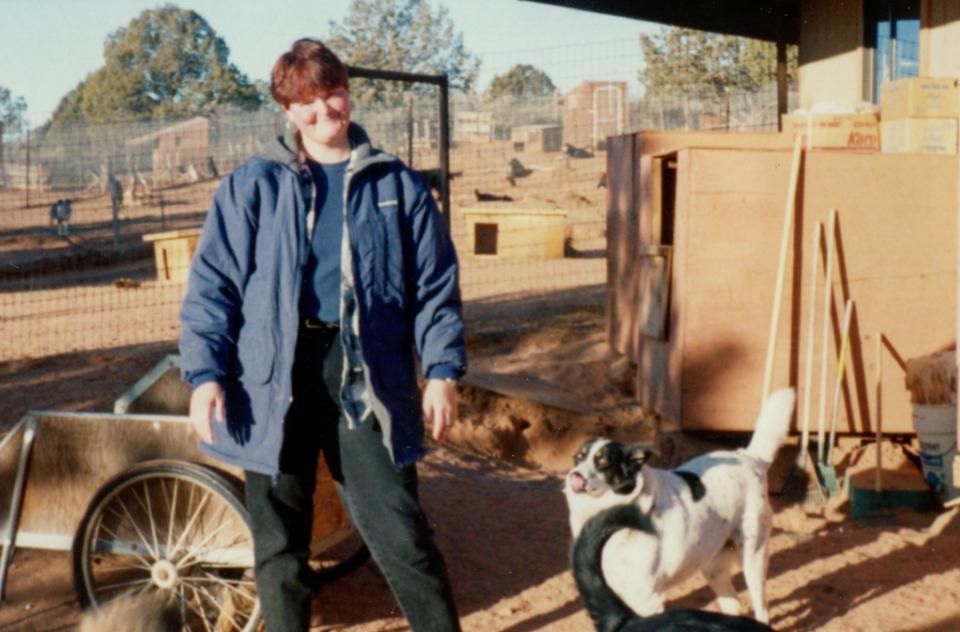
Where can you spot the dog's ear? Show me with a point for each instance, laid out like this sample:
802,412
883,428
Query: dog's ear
640,454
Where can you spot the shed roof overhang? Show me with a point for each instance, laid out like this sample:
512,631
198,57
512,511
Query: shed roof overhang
770,20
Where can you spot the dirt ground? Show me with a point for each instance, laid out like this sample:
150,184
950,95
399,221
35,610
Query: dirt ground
494,496
539,384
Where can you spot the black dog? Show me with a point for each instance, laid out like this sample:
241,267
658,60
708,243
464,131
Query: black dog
606,609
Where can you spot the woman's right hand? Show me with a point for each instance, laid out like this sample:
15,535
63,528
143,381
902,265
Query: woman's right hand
206,406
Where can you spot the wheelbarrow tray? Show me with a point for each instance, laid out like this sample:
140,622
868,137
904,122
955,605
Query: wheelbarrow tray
56,461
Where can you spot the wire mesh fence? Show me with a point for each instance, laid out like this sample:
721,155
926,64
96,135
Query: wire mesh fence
97,223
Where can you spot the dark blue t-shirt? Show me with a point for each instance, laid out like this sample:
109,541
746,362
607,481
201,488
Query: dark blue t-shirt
320,297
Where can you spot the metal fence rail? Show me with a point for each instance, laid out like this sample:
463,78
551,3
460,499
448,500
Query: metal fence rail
528,207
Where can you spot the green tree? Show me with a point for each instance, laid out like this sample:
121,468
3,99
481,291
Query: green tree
11,120
405,36
167,63
11,113
701,64
523,80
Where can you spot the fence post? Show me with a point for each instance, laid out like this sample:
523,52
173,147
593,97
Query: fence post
445,150
410,132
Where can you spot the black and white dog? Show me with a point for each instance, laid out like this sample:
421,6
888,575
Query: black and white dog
704,514
608,612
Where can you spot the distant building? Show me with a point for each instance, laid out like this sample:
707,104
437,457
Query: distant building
594,110
470,126
175,147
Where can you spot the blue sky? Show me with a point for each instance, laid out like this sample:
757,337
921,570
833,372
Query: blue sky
48,46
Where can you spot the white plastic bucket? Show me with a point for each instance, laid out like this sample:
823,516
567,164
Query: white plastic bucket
936,427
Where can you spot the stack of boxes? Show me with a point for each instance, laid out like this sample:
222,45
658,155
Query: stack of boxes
919,115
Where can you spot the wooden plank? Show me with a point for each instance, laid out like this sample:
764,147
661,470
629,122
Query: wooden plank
654,294
525,387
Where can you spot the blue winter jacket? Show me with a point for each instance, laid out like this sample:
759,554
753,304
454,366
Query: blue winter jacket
240,316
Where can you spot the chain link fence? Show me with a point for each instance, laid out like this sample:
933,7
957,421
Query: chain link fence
97,222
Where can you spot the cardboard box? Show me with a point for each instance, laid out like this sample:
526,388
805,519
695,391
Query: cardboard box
917,135
918,97
835,131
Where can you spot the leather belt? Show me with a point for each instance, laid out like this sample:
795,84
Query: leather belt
315,323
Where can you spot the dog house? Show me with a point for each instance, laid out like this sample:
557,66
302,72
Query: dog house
536,138
515,233
173,251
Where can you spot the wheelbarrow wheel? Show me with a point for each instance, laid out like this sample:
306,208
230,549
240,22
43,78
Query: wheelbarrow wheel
172,527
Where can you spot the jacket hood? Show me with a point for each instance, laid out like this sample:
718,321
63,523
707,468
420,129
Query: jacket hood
285,149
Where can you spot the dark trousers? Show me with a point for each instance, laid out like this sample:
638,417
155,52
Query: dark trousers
381,501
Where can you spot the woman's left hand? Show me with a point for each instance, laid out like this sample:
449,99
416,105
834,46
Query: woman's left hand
440,406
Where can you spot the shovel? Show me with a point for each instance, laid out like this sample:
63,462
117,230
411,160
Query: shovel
796,485
828,476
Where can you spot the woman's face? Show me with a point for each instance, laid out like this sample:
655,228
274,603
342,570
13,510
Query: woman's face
323,121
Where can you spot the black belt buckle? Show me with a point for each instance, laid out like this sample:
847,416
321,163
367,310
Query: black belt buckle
317,324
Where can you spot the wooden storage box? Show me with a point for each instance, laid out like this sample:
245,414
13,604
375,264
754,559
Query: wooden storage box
835,131
919,135
173,251
918,97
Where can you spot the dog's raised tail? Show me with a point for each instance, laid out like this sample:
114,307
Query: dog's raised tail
772,426
606,609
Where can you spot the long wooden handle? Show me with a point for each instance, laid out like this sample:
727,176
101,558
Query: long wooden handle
782,264
811,333
879,386
841,365
825,339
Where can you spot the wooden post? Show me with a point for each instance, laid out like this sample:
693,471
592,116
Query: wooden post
445,151
410,132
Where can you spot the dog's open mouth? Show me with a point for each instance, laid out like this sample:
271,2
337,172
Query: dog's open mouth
578,484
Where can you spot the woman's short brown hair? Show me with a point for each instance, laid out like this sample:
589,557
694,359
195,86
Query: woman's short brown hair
307,69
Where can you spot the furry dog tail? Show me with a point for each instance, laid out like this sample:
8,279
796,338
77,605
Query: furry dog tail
772,425
606,609
151,612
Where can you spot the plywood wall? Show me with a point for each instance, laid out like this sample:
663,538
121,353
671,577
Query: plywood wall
727,237
896,260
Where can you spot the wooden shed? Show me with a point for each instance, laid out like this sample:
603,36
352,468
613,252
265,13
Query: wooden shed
692,270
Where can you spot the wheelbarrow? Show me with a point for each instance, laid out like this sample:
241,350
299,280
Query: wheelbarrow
142,509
